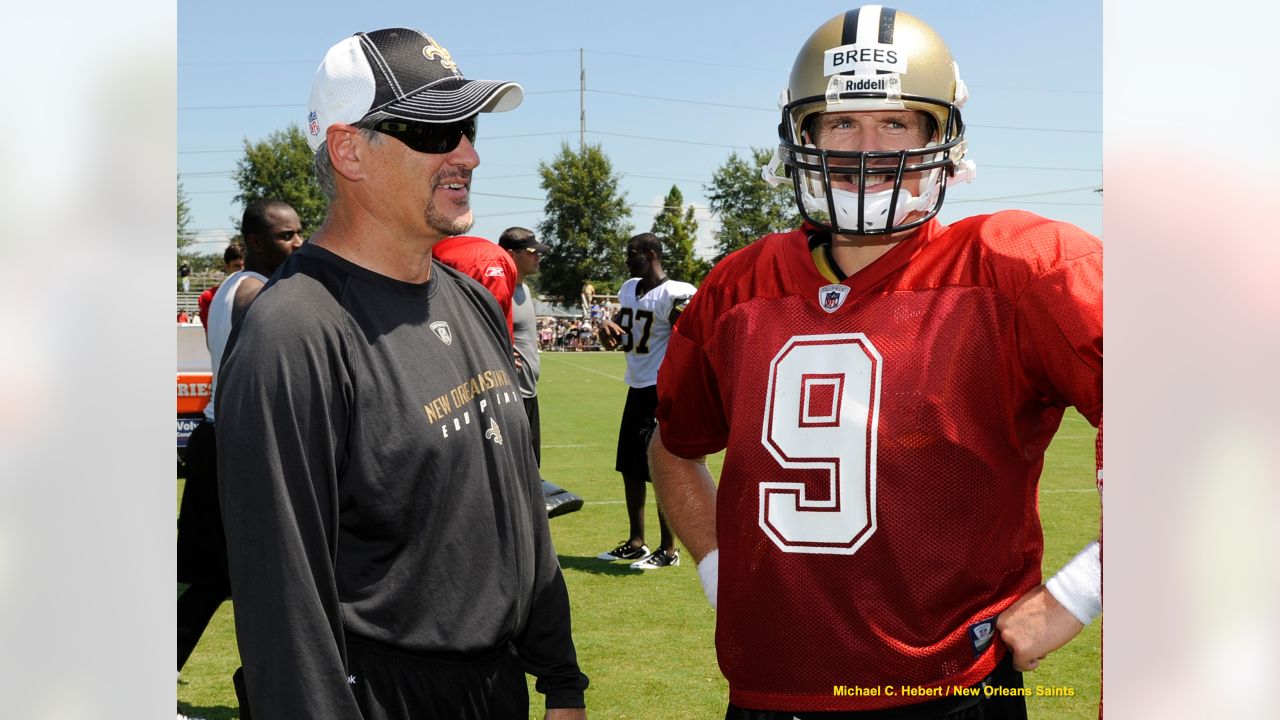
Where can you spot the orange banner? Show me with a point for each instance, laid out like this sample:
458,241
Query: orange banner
193,392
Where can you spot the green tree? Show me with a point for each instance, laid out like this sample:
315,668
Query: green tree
747,206
676,227
185,236
281,167
585,221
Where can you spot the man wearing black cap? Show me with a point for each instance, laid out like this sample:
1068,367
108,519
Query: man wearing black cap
389,550
526,252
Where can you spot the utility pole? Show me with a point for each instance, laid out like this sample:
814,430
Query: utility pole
582,104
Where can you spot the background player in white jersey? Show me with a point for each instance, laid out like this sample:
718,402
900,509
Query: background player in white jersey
886,387
651,303
271,231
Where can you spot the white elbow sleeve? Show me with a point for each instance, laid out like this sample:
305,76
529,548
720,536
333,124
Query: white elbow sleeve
1078,585
709,574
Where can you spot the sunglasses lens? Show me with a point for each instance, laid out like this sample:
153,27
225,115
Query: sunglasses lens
432,138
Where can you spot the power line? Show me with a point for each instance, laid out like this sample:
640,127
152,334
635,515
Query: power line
1090,188
206,63
484,137
512,197
1026,89
681,100
670,140
656,58
1039,167
261,106
662,177
690,62
1036,129
240,107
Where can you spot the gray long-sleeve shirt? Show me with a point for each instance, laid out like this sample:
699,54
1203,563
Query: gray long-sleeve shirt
376,479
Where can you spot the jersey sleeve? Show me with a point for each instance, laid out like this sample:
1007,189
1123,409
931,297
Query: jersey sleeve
1059,325
546,646
487,264
1059,321
281,428
680,297
498,275
687,379
203,302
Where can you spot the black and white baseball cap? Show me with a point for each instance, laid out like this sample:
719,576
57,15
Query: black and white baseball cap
403,73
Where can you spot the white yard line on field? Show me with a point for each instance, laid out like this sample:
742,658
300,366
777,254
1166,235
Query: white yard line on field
545,356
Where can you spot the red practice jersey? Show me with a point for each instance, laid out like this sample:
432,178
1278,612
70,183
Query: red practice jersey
203,302
487,263
877,508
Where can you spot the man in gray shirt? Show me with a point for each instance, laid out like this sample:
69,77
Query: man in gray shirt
526,252
389,551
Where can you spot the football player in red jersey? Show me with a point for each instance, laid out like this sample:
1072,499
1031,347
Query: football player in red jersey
885,386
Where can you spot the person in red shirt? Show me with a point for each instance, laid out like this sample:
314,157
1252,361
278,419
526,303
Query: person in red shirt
485,261
232,262
885,386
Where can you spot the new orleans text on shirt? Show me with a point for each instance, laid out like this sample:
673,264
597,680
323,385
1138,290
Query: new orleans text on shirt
445,409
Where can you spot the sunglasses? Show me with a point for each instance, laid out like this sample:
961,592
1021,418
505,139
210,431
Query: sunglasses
433,138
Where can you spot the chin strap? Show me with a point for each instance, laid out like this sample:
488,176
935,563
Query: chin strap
770,171
966,171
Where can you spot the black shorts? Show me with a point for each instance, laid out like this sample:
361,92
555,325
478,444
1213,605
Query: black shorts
637,428
390,684
982,707
535,427
202,542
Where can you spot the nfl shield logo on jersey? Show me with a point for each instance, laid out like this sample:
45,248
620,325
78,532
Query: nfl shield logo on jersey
831,297
981,634
441,329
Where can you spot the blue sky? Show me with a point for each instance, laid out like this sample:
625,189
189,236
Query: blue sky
672,90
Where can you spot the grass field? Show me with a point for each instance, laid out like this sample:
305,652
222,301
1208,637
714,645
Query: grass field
645,639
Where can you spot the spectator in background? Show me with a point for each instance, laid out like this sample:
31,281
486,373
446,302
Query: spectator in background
546,334
588,296
272,231
232,262
184,275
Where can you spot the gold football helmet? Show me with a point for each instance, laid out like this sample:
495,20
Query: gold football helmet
871,58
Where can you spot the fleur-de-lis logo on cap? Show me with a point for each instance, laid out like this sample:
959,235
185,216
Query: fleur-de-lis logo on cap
435,52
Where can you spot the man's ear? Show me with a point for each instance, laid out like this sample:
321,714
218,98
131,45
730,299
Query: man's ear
346,147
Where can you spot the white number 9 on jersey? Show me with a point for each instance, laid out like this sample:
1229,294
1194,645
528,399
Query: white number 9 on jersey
821,412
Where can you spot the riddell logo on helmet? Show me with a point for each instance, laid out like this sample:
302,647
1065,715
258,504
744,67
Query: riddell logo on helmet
853,84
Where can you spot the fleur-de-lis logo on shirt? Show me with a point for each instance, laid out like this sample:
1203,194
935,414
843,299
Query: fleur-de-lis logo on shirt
435,52
494,432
